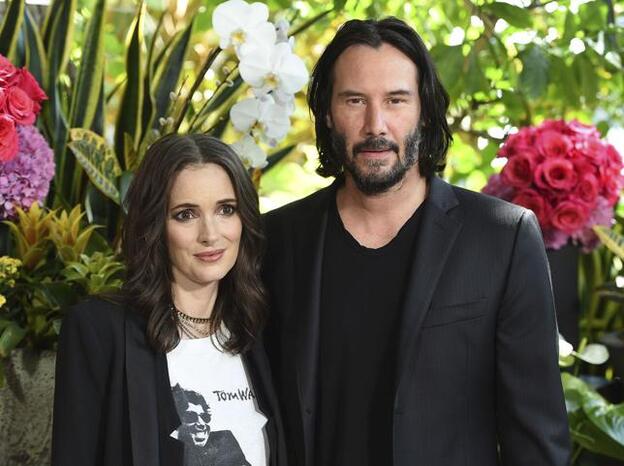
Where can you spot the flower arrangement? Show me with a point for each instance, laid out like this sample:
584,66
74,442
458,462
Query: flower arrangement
26,160
564,173
269,66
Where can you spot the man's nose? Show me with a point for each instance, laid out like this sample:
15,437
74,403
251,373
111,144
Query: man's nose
375,124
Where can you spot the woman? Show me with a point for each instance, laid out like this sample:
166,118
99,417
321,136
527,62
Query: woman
171,372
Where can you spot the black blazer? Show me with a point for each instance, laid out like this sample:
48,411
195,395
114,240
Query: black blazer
477,353
113,404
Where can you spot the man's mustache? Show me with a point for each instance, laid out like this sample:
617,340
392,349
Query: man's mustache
375,144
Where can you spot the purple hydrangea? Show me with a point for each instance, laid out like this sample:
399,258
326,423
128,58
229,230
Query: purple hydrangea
26,178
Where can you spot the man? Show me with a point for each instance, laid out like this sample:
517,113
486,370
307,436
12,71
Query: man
203,447
412,321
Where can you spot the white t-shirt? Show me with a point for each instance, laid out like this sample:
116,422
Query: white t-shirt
221,422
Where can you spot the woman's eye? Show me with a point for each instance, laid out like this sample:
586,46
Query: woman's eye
183,215
227,209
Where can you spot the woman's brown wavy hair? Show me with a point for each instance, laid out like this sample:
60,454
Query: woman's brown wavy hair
241,301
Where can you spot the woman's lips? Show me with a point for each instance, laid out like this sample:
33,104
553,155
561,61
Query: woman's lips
210,256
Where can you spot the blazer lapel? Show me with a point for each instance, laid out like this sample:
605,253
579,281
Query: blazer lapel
308,269
437,235
151,408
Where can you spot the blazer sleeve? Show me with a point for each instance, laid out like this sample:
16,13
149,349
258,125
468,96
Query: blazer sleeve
532,422
81,371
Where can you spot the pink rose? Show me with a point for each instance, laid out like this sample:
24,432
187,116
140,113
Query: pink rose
497,187
8,139
577,128
19,106
587,189
518,171
2,101
614,159
553,144
31,87
570,216
8,72
518,144
532,200
556,173
558,126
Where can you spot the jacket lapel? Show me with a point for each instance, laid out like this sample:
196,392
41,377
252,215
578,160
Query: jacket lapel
151,408
308,269
437,235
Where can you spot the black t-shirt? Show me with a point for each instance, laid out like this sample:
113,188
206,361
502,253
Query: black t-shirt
361,298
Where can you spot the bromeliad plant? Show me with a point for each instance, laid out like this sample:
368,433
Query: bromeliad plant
54,262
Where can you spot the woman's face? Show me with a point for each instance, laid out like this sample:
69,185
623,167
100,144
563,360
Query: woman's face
203,226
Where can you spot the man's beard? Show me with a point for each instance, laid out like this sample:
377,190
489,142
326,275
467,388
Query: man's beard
376,180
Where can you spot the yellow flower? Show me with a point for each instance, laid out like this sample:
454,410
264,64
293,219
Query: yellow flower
2,300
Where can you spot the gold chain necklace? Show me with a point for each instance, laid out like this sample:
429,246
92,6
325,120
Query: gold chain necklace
192,327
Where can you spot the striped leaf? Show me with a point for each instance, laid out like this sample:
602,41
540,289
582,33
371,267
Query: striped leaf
9,31
87,91
168,72
131,105
36,59
97,159
611,239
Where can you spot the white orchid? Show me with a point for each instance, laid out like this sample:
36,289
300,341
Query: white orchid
250,152
281,33
243,26
274,69
261,117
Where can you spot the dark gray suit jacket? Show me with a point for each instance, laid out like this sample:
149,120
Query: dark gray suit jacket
113,404
477,354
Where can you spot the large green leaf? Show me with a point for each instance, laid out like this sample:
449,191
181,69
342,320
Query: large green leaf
57,37
585,72
475,79
9,31
11,336
36,60
593,15
168,71
535,71
97,159
566,84
87,90
516,16
129,116
449,61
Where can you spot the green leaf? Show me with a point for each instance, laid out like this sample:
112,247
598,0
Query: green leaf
97,159
37,60
12,335
593,15
535,71
277,156
565,83
516,16
87,90
449,61
168,72
475,79
570,27
59,295
129,116
58,36
585,71
10,29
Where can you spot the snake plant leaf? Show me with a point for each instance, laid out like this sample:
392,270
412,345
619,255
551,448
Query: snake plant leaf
10,29
97,159
129,117
36,59
219,99
277,156
57,39
611,239
168,72
86,94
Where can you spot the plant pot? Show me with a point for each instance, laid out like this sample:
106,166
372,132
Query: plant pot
564,264
26,408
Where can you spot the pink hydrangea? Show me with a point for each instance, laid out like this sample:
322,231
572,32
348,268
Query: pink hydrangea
26,178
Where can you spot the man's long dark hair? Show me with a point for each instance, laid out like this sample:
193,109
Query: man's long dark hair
434,100
241,301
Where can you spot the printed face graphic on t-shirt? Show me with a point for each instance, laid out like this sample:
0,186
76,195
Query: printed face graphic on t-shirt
195,423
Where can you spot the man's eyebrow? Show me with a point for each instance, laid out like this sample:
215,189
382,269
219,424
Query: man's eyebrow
351,93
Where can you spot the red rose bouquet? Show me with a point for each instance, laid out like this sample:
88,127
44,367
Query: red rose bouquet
26,160
566,175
